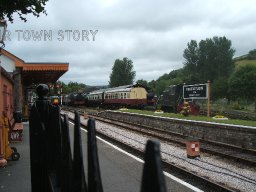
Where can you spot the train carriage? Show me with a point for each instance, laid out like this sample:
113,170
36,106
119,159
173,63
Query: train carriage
128,95
94,98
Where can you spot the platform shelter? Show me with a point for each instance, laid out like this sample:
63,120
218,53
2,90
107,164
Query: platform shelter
26,75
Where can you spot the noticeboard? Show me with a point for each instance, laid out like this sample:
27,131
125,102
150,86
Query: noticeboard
198,91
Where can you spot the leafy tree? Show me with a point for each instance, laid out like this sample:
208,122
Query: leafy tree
242,83
122,73
191,55
176,77
252,54
142,82
74,86
173,78
163,77
211,59
153,85
220,88
22,7
71,87
161,86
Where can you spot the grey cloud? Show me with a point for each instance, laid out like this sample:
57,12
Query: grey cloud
153,34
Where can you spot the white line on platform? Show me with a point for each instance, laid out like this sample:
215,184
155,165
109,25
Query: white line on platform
141,161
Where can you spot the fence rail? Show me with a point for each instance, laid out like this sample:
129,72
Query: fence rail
54,169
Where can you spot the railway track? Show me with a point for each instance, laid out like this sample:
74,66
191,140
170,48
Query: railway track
229,152
167,136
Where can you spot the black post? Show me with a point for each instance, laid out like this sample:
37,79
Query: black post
153,177
94,178
66,158
78,167
38,123
52,166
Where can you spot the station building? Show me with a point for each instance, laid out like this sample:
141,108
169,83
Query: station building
19,77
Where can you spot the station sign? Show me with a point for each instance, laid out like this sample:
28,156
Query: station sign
198,91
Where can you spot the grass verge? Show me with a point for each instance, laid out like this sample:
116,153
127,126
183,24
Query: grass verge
191,117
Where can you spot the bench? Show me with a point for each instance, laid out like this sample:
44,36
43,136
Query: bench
16,130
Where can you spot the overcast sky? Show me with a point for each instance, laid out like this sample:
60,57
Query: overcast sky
153,34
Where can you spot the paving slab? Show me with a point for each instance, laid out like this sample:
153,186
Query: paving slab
16,175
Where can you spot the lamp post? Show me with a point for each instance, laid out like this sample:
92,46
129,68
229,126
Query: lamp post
3,26
3,162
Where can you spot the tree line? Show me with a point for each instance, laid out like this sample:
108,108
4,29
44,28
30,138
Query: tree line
210,59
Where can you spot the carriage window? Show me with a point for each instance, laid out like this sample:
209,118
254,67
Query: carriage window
128,95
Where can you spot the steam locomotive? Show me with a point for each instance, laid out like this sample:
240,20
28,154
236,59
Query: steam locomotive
172,100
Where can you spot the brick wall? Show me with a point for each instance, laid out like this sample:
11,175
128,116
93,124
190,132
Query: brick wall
6,94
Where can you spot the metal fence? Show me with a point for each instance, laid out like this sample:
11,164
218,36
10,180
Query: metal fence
54,169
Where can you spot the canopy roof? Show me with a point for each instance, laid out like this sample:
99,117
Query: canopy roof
43,72
34,73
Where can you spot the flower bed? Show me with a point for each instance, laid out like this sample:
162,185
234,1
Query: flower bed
158,111
123,109
220,117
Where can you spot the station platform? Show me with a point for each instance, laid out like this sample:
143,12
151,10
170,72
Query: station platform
125,171
16,175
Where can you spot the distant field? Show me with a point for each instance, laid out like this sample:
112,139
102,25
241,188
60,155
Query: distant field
242,62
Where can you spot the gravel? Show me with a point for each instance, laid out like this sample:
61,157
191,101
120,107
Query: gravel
234,175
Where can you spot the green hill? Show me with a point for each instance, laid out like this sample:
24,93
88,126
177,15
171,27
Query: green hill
245,61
